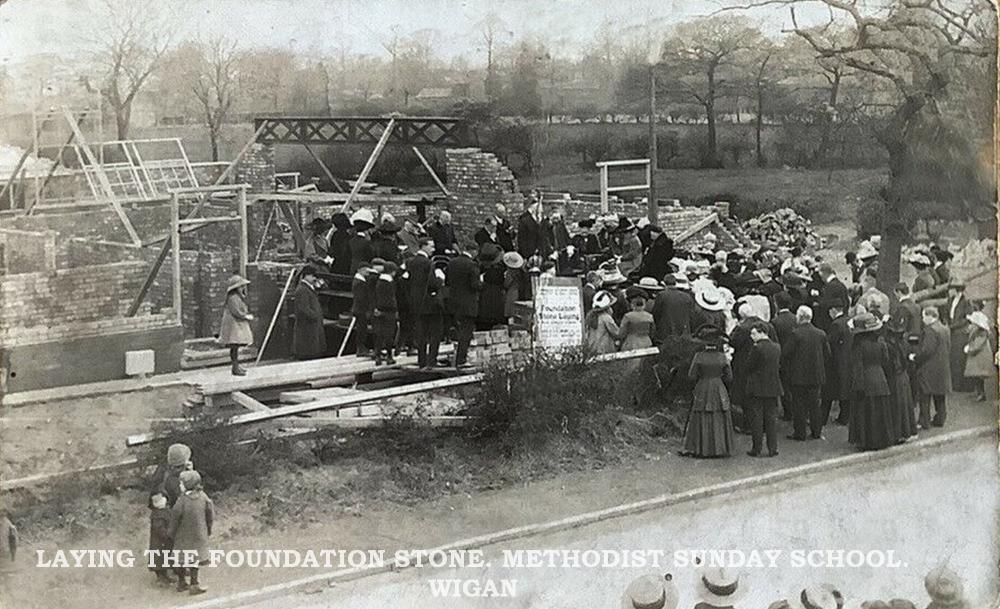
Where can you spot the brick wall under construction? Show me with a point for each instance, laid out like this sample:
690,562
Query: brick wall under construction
478,181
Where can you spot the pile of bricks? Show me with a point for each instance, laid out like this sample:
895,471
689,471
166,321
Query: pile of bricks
478,181
256,168
499,344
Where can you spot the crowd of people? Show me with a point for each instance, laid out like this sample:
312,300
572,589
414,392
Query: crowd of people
723,588
782,334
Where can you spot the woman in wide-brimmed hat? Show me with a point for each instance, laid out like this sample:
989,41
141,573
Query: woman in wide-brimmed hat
711,309
979,364
234,331
600,326
709,430
925,279
513,279
871,417
651,592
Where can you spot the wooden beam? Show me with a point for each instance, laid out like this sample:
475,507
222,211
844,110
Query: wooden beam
17,172
300,238
102,177
52,170
322,165
247,402
430,170
239,156
369,164
370,422
175,245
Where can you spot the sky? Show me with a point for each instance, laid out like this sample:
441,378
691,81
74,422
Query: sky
59,26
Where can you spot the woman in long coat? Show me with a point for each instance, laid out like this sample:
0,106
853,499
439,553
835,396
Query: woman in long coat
234,331
491,296
512,278
979,364
709,431
904,422
871,417
309,337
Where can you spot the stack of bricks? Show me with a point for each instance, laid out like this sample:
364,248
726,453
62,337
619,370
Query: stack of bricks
498,345
478,181
256,168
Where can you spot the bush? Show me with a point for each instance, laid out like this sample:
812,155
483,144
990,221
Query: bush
869,218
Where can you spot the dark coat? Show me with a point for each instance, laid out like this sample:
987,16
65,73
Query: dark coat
588,297
784,325
672,310
870,360
159,535
363,290
742,344
656,261
361,251
483,236
560,235
424,286
443,236
957,321
932,360
385,296
191,523
512,288
386,247
909,312
838,381
504,238
763,370
712,373
833,293
463,284
165,481
806,356
340,250
492,294
529,235
925,280
308,338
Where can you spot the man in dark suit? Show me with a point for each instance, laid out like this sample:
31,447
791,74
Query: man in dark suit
443,233
656,261
464,283
424,286
309,337
504,239
956,313
529,231
806,357
933,368
833,293
839,383
763,390
672,310
589,289
907,311
487,233
784,325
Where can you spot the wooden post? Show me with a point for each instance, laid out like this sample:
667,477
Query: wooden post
17,171
52,171
175,245
274,318
322,165
430,170
369,164
651,207
604,189
244,245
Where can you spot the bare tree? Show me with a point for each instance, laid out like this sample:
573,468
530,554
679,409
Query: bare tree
696,55
492,29
128,48
214,83
919,46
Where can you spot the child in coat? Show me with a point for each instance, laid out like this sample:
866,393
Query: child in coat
363,294
190,527
385,314
159,538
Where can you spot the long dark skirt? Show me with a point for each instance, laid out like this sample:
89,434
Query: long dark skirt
709,434
871,426
904,421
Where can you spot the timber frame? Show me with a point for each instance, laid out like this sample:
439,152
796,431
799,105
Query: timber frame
409,131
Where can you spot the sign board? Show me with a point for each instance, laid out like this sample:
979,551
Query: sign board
558,312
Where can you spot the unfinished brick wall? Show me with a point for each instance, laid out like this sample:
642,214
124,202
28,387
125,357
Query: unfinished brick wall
256,168
27,251
72,303
478,181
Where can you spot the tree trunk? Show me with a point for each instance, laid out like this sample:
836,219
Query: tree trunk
213,139
121,122
824,139
759,127
712,156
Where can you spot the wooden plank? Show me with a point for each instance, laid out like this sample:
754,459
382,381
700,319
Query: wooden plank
369,164
322,165
16,172
430,170
337,402
311,395
102,177
175,245
371,422
248,402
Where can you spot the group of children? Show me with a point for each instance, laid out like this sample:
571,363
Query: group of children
181,516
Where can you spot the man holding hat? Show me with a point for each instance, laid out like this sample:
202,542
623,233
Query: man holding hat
933,368
309,336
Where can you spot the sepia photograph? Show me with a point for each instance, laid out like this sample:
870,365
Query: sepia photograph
499,304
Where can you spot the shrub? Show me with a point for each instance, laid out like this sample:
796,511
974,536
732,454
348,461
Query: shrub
869,217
